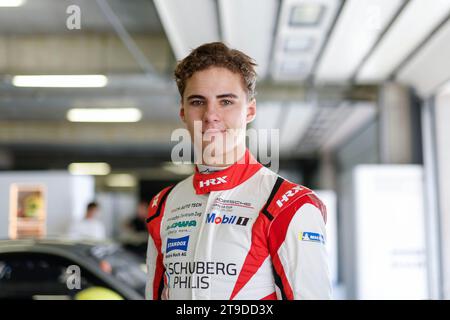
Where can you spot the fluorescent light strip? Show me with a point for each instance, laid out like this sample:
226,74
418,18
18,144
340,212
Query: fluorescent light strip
104,115
306,14
60,81
89,168
11,3
121,180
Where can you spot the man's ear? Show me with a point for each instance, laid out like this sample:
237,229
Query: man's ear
251,111
182,113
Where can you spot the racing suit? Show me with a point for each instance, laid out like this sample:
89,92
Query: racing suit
240,233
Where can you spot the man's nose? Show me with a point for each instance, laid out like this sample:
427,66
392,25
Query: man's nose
211,113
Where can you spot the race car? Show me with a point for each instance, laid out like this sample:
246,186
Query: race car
69,270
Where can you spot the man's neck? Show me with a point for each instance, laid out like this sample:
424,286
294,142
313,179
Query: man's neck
208,169
223,161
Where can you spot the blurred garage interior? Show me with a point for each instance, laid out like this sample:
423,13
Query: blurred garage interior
359,91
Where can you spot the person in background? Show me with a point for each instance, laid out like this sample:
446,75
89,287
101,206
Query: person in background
89,228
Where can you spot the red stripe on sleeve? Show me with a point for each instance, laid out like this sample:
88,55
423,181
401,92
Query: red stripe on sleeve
278,266
255,257
155,214
159,274
277,235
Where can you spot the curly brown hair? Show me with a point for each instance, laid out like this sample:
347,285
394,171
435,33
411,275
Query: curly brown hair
217,54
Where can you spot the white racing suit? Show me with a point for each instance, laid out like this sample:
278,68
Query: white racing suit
240,233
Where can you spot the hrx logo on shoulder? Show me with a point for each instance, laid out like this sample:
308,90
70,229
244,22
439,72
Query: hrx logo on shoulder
285,197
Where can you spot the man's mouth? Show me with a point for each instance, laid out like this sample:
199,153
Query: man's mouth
213,131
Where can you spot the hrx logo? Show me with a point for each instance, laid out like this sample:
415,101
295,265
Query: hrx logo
240,221
214,181
289,194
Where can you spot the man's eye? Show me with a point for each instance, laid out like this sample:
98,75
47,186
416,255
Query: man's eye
226,102
196,102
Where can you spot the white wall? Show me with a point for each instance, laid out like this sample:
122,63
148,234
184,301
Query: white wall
67,197
115,209
390,232
328,197
442,120
362,148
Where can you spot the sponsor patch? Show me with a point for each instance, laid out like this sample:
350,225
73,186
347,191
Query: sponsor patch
226,219
182,224
177,244
311,237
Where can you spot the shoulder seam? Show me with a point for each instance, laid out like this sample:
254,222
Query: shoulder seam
275,189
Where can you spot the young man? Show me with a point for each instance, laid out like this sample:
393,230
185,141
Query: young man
234,229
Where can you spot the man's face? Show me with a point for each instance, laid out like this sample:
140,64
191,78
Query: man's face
216,110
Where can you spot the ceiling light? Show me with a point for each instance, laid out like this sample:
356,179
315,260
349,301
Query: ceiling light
298,44
306,15
11,3
104,115
90,168
306,40
121,180
61,81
